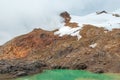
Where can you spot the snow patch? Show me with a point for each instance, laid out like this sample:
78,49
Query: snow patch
66,30
93,45
108,21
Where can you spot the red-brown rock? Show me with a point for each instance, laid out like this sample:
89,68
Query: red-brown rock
51,51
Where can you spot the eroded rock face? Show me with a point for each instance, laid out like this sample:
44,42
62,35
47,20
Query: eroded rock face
24,45
67,20
39,50
66,16
19,65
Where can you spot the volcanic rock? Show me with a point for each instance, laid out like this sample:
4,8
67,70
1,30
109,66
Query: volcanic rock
66,16
67,20
40,50
101,12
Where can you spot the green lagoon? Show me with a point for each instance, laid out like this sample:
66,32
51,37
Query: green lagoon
70,75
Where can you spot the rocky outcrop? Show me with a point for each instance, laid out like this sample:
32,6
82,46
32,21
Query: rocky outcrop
23,45
67,20
98,51
105,12
66,16
116,15
101,12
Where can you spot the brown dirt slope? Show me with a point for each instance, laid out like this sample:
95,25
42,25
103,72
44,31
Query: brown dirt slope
39,50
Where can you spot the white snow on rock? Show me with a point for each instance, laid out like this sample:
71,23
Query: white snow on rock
106,20
93,45
66,30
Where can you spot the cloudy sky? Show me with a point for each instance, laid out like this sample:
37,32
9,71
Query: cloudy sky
21,16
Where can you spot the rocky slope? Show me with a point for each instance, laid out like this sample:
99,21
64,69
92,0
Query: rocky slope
98,51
